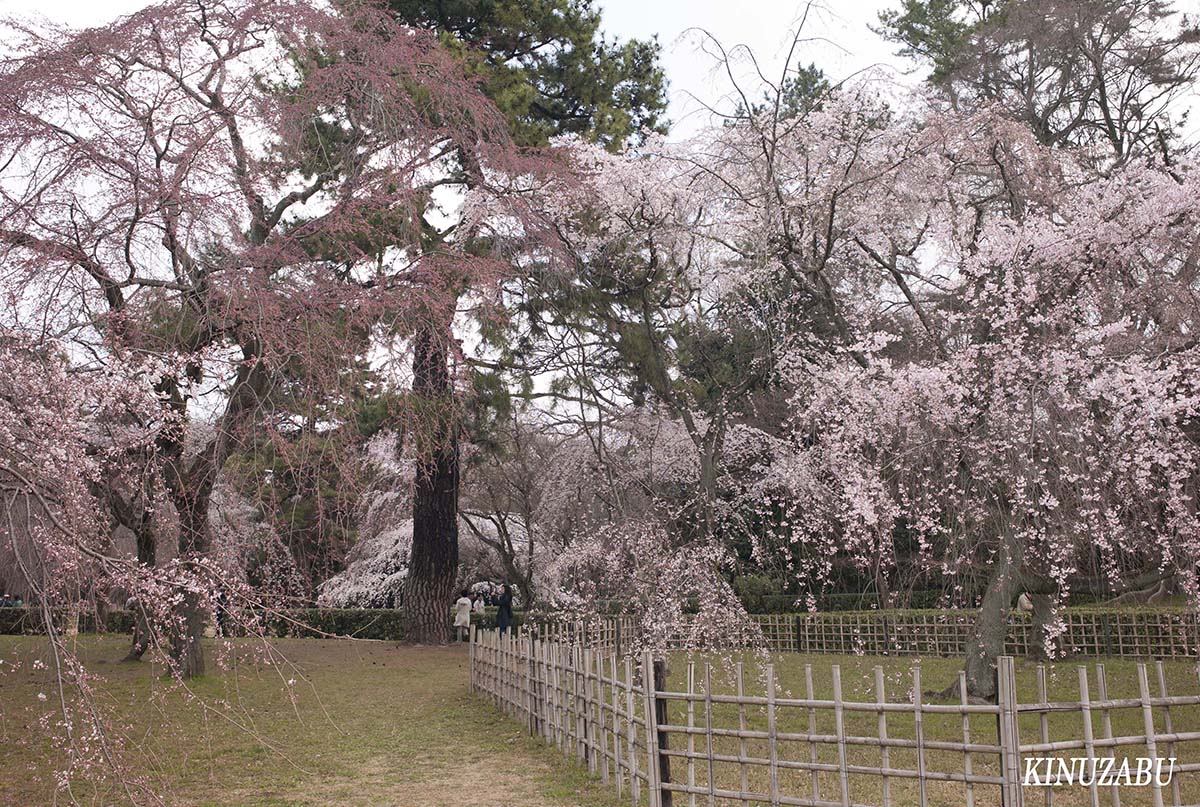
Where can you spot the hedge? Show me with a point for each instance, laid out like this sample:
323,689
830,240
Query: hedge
790,603
388,623
362,623
17,621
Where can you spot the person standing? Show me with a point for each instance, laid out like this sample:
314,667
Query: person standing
504,616
462,614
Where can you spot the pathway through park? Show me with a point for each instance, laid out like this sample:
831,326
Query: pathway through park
373,724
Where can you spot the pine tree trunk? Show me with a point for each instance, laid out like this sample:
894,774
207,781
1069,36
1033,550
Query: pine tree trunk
433,564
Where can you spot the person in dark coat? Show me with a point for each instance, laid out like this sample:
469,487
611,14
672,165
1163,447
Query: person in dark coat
504,616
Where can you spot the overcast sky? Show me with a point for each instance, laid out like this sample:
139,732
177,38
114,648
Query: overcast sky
838,33
842,41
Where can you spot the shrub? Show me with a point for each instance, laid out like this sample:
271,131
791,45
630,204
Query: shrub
361,623
29,621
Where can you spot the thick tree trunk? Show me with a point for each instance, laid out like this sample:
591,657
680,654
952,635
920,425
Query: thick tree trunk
146,555
1040,621
191,615
986,644
433,565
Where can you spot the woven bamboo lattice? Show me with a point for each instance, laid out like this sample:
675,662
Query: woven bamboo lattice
733,735
1114,632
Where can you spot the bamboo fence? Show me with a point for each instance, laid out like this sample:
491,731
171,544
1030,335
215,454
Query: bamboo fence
1114,632
766,741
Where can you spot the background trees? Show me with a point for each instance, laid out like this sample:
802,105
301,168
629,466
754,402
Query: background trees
1098,75
549,70
831,334
984,344
210,183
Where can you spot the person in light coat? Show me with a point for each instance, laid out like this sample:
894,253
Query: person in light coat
462,614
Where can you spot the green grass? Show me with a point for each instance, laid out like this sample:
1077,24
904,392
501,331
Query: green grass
374,723
369,723
936,674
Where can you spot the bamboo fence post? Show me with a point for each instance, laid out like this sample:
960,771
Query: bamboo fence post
812,730
556,708
471,657
500,682
708,734
539,696
514,678
530,695
539,681
1148,723
492,669
1106,722
589,724
570,713
601,718
616,725
514,685
743,751
1089,746
548,647
661,718
1168,725
505,644
1010,737
635,784
884,755
839,719
919,726
691,737
599,724
576,698
1043,697
772,732
653,783
966,729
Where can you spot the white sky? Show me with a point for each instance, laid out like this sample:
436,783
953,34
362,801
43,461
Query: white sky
843,43
838,34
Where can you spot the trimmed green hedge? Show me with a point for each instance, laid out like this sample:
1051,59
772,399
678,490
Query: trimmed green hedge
17,621
487,619
20,620
361,623
381,623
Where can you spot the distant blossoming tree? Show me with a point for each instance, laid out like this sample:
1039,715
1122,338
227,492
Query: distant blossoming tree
242,184
986,344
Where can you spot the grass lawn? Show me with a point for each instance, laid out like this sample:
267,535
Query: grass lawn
936,674
371,724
